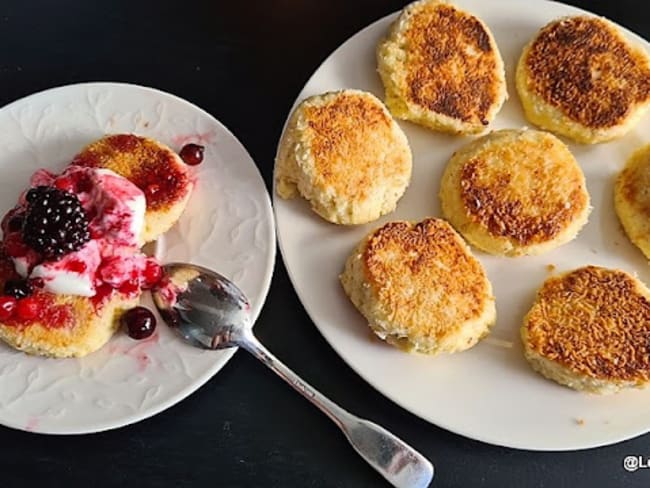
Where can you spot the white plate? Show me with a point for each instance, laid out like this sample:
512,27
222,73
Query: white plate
488,393
228,226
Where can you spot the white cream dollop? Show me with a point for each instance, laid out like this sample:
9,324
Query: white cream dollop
73,274
117,208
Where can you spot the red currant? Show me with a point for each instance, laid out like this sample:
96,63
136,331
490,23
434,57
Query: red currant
27,308
192,154
152,274
7,307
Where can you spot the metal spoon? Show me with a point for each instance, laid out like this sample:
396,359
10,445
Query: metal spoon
211,312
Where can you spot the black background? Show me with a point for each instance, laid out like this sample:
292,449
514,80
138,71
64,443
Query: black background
245,62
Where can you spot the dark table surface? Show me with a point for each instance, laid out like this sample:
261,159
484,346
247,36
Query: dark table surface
245,63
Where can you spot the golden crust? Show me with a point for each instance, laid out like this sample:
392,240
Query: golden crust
581,78
594,323
151,166
632,198
420,287
515,192
441,68
343,138
345,154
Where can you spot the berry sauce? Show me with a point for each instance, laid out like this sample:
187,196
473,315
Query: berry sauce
124,142
103,294
49,311
163,186
40,306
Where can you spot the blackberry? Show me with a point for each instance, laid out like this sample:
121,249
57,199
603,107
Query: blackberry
55,223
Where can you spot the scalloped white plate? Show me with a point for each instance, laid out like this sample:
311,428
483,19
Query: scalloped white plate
228,226
488,393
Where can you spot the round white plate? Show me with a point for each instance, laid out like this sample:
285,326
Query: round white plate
488,393
227,226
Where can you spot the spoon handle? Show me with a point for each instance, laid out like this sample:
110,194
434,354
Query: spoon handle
395,460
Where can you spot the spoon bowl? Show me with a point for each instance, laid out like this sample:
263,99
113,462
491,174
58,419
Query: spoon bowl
209,311
203,307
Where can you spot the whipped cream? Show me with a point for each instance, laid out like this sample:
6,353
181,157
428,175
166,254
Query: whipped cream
72,274
119,206
116,209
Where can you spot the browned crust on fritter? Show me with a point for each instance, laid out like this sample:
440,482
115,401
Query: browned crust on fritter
593,321
492,205
442,76
408,263
347,141
506,218
585,68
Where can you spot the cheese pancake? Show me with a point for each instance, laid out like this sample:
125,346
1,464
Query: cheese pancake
441,68
515,192
589,329
344,153
420,287
632,199
580,77
153,167
68,325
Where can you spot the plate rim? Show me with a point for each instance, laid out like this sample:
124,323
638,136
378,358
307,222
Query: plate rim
270,264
